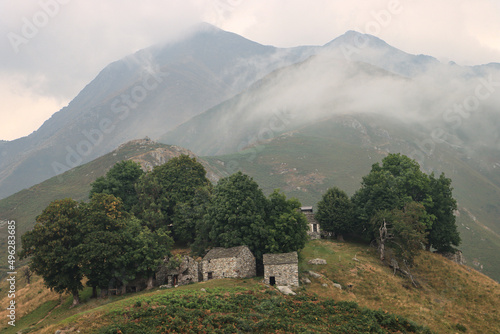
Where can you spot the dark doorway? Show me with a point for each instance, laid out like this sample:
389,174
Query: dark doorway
175,279
209,275
272,280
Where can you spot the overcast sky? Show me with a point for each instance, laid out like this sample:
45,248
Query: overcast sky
50,49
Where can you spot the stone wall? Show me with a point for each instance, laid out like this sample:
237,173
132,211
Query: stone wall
232,267
313,234
284,274
185,273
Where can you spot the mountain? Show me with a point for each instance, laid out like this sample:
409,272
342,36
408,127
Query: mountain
304,119
372,50
144,94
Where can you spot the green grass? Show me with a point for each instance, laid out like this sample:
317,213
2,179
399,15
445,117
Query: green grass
32,318
243,309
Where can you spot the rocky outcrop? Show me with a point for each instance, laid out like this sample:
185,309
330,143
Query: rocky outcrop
457,257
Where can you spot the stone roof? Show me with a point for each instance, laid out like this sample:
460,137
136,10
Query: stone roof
221,253
283,258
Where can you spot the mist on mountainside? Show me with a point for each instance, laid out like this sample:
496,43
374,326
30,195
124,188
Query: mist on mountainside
452,104
144,94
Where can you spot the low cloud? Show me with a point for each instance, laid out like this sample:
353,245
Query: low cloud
67,42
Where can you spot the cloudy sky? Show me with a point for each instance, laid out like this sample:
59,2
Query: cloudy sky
50,49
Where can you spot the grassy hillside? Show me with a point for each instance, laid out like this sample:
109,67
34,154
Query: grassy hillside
339,152
303,163
451,299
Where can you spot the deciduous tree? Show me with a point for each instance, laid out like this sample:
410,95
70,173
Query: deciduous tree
120,181
168,186
52,247
443,233
335,212
103,239
286,224
237,214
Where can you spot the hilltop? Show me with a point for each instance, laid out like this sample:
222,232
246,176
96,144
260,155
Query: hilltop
24,206
451,299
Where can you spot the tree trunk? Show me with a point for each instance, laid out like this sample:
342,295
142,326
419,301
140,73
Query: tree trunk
340,237
76,299
124,289
94,292
428,247
150,283
383,237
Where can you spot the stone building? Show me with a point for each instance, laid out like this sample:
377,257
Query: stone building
314,228
281,269
234,262
178,271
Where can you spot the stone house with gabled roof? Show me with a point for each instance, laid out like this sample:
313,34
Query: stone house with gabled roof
234,262
281,269
314,228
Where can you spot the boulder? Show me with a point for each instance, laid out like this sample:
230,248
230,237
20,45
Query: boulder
286,290
315,275
317,261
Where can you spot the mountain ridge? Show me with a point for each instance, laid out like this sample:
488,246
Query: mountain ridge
140,95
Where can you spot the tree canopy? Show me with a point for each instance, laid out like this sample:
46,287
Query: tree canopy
102,228
287,225
98,240
120,181
400,188
166,188
52,246
335,212
237,214
240,214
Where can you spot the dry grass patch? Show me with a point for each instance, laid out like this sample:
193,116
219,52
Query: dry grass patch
451,296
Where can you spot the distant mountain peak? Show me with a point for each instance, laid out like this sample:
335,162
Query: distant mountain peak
358,39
